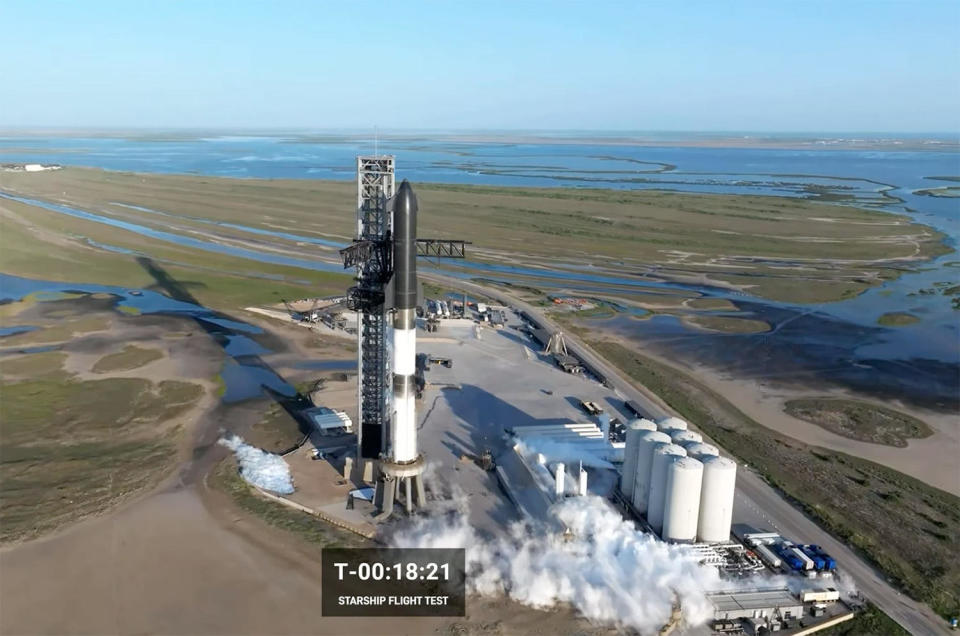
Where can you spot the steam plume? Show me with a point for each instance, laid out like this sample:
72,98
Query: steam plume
603,566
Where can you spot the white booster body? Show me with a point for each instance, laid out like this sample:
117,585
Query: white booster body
629,470
646,443
403,432
663,456
701,450
681,504
671,423
716,499
682,438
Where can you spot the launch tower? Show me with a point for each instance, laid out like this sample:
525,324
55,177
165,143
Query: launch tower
384,252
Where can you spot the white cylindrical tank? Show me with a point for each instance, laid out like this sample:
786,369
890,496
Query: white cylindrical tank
671,423
629,470
662,457
647,442
716,499
701,450
682,438
681,503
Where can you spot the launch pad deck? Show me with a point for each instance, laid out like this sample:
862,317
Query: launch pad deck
499,379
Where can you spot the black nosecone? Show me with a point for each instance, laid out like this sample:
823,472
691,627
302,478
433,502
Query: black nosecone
405,247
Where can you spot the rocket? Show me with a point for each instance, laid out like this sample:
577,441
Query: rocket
401,467
402,448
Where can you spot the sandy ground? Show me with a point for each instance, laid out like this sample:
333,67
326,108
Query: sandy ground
932,460
183,559
168,565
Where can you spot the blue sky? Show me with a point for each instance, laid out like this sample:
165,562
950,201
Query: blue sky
707,66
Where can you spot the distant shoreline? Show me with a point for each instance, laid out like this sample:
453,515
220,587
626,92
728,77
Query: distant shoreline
884,142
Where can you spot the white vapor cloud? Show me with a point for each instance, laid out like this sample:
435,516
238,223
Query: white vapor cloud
602,566
260,468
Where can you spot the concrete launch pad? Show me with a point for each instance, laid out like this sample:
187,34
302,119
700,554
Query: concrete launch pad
498,379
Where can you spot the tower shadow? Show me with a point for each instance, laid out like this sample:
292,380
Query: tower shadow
218,326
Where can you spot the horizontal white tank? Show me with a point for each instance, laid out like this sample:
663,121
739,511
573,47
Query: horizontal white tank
701,450
629,471
682,438
716,499
662,457
646,443
681,503
671,423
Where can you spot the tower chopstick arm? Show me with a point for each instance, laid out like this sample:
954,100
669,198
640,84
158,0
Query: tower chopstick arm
441,247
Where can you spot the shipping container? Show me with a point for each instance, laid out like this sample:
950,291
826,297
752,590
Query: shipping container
829,564
820,596
818,562
807,561
768,557
790,558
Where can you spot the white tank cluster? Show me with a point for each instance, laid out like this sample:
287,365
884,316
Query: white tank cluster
681,503
700,450
716,499
671,423
682,438
680,483
647,443
634,429
663,456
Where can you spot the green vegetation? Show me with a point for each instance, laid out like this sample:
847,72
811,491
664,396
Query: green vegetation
739,239
946,192
72,449
711,304
600,310
226,478
60,332
275,432
34,365
728,324
897,319
908,529
219,281
859,420
127,309
870,621
131,357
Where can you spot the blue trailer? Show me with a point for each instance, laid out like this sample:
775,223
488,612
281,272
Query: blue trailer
790,558
829,564
811,551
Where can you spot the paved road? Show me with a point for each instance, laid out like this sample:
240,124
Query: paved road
757,501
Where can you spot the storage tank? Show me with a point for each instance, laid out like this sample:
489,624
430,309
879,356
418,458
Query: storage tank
628,472
701,450
716,499
559,483
646,443
682,438
671,423
662,456
681,503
